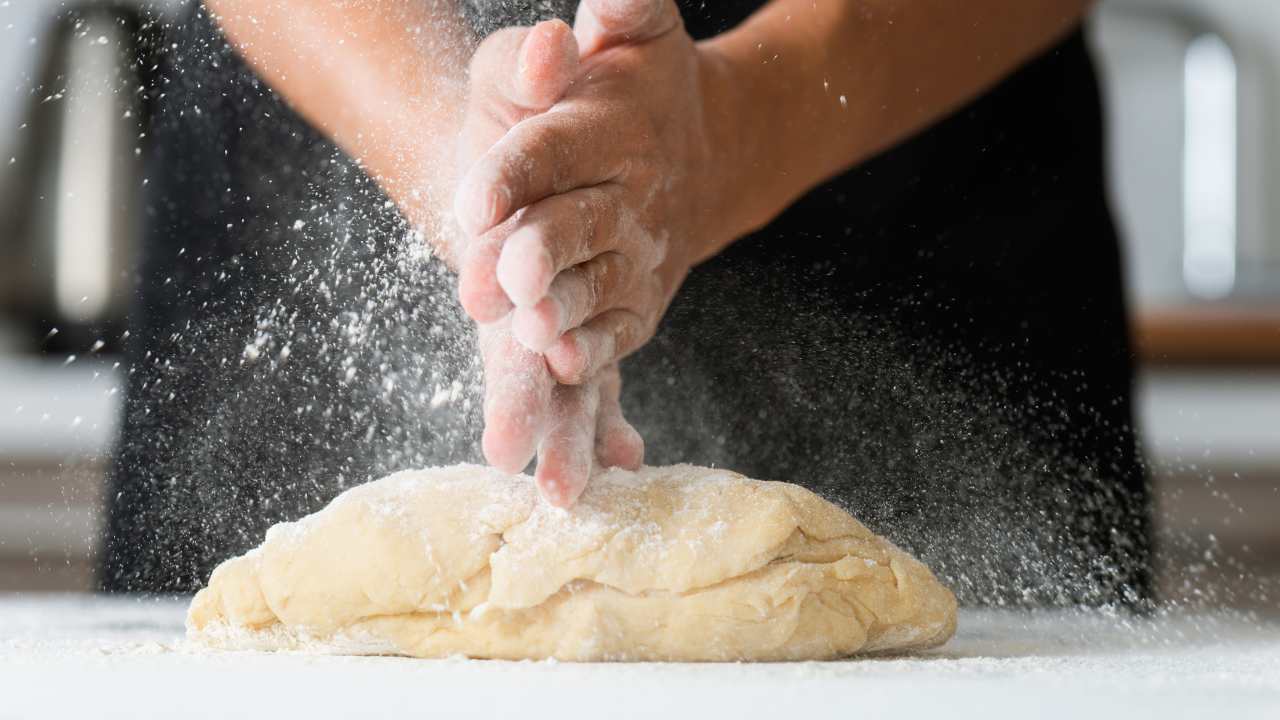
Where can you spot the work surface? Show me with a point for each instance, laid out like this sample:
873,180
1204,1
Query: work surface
76,656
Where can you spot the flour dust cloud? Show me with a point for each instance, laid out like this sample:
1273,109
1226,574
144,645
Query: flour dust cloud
293,336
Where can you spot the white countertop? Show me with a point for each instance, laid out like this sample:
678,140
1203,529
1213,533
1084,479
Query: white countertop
82,656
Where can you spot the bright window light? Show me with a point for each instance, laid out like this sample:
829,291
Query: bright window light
1209,169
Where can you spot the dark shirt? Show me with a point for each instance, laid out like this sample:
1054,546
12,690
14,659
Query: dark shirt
935,339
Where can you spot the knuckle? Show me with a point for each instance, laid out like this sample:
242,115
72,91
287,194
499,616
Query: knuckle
612,278
506,166
548,315
635,332
553,145
568,221
660,246
606,215
521,154
625,331
575,361
588,211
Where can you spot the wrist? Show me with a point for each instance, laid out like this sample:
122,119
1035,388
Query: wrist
747,110
731,206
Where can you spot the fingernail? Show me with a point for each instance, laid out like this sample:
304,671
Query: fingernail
553,492
497,200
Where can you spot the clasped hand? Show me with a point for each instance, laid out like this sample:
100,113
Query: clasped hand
587,160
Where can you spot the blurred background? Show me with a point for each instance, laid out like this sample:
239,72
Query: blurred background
1192,89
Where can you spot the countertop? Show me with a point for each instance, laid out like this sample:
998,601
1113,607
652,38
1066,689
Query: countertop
85,656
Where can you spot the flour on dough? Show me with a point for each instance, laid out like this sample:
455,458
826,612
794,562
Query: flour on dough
667,563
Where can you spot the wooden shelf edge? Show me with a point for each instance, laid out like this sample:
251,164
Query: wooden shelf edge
1212,335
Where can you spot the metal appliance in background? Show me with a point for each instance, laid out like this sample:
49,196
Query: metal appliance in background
74,217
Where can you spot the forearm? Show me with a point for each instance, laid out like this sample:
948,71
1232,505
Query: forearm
385,79
817,86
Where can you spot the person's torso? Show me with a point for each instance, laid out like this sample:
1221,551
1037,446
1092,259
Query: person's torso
282,349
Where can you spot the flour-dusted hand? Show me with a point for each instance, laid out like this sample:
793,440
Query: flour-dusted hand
516,74
608,272
570,427
592,213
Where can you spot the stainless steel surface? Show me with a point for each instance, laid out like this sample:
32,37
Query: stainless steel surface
76,220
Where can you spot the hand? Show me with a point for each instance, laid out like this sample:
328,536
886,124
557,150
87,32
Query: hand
516,74
526,410
587,217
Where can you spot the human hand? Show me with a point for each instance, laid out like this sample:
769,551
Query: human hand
516,74
586,218
569,426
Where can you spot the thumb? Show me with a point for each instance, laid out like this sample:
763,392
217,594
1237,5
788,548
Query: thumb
529,68
604,23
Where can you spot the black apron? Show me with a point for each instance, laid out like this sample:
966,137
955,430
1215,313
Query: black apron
936,340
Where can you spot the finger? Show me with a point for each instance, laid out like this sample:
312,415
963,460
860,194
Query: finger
566,454
479,291
582,352
530,68
617,442
517,261
541,156
579,293
536,328
547,64
555,234
518,395
604,23
516,72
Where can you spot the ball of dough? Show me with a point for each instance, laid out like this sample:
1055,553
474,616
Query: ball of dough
667,563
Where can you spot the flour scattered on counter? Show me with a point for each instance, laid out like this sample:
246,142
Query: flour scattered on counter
1012,664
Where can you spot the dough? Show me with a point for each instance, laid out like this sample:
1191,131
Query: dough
668,563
